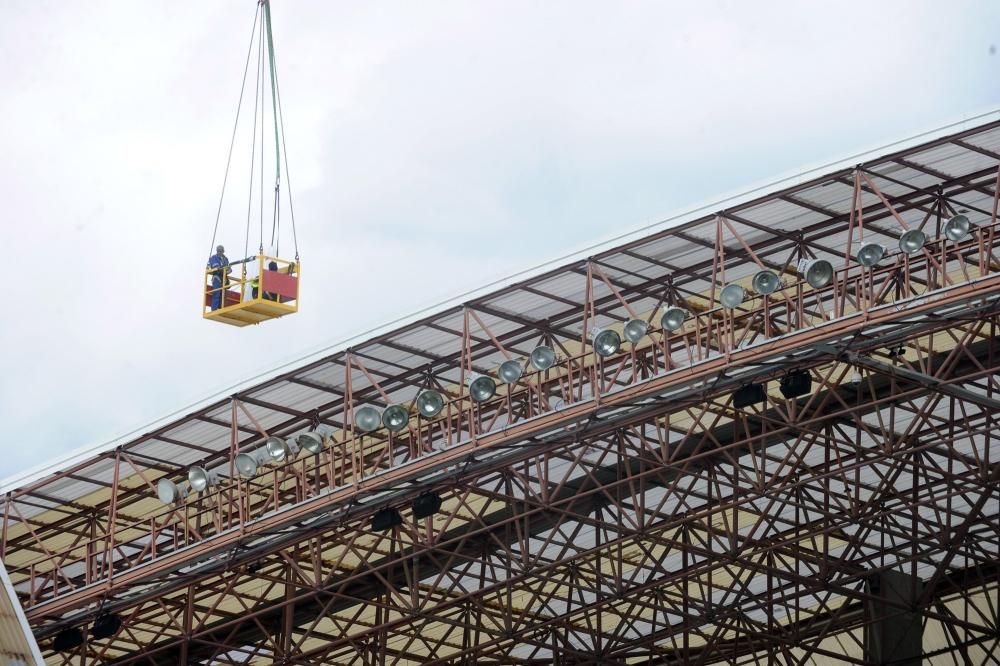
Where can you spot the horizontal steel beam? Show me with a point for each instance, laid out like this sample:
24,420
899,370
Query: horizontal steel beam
922,379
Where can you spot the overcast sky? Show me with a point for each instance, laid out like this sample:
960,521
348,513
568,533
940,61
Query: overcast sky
434,147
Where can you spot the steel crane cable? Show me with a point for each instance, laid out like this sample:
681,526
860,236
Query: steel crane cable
288,176
232,141
253,151
280,149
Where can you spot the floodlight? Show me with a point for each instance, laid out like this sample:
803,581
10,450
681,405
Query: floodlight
732,295
795,384
766,282
247,464
170,492
673,318
818,272
481,387
310,441
386,519
106,625
280,449
68,639
751,394
430,403
426,505
367,418
606,342
200,478
635,330
395,417
510,371
870,254
912,241
957,228
542,357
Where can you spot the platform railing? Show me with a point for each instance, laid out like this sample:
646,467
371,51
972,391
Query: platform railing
237,289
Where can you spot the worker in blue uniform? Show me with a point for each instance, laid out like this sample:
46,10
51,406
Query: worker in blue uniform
221,270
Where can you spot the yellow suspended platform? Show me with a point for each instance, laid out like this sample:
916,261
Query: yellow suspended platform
268,288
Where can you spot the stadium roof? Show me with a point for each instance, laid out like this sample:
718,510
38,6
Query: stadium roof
158,550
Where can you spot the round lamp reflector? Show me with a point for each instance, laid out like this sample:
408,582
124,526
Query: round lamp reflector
430,403
957,228
766,282
636,330
277,448
168,491
199,478
310,441
395,418
731,296
247,465
912,241
870,254
542,357
481,387
510,371
818,272
367,418
606,342
673,319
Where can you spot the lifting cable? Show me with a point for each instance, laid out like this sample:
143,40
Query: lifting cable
276,219
284,154
253,153
232,141
280,151
288,177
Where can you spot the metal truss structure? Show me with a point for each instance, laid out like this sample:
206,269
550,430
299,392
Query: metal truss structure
617,509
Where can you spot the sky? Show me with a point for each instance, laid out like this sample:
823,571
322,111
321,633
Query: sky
433,147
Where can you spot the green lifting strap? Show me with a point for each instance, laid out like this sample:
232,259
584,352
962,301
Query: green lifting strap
274,93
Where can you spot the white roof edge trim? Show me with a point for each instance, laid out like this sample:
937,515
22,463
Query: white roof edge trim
762,188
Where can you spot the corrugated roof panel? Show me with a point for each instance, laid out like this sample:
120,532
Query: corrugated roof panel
988,139
781,215
326,374
834,196
677,252
391,355
424,338
952,160
453,322
629,270
565,285
198,432
526,305
303,398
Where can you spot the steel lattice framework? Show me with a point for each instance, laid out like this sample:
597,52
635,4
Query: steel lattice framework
614,510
